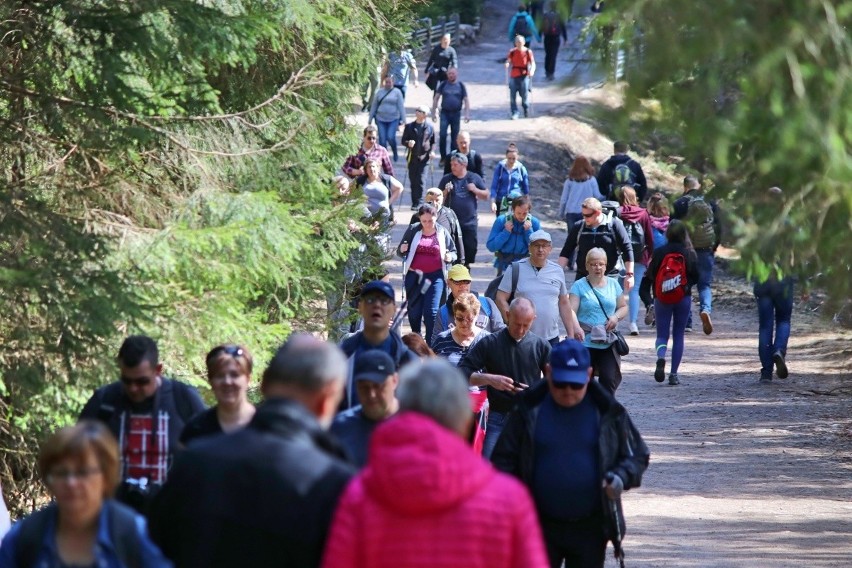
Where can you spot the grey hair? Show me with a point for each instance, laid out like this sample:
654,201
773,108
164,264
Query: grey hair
596,252
438,390
307,364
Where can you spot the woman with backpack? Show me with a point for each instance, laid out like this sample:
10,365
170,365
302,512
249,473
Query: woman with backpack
671,274
83,526
638,224
510,176
509,239
658,210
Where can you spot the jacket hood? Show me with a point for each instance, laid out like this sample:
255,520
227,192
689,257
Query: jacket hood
416,466
617,159
660,223
631,213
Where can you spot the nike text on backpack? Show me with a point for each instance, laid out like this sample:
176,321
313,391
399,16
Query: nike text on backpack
522,27
699,220
670,283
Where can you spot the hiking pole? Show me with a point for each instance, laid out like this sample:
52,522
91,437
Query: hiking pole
417,295
404,178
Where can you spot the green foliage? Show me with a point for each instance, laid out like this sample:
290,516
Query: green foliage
468,10
758,94
166,169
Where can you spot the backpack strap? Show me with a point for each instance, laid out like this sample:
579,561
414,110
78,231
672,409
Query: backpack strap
486,306
516,269
445,316
124,533
183,402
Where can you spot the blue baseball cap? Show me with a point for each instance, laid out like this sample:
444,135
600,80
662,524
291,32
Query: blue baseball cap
570,362
373,365
378,286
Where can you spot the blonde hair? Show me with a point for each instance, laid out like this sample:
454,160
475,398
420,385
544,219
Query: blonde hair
592,203
596,252
466,303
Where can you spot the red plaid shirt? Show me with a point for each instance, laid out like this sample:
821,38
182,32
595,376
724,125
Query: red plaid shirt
144,448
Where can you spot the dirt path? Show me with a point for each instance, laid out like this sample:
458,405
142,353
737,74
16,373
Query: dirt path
742,474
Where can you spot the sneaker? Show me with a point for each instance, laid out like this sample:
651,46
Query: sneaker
649,315
634,329
765,379
780,365
515,116
706,323
660,371
673,380
688,329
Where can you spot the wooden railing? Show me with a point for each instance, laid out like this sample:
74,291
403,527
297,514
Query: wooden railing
428,35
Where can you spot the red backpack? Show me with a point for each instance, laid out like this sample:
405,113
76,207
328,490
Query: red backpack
670,284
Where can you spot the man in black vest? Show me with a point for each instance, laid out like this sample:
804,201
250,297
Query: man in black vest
146,412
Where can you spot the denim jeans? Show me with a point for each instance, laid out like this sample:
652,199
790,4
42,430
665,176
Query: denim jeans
519,85
450,119
634,301
705,278
387,135
674,317
426,306
774,309
493,429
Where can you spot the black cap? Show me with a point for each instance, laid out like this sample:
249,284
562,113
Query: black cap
373,365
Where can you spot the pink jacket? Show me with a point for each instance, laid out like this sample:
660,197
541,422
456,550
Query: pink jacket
427,500
636,214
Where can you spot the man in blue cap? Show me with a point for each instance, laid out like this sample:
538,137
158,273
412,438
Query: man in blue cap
376,305
570,437
376,380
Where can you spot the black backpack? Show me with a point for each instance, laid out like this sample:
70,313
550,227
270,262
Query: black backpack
636,232
122,530
494,285
522,27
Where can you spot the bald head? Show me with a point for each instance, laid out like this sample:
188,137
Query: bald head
521,316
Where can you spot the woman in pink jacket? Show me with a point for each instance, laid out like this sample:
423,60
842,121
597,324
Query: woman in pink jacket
425,498
631,215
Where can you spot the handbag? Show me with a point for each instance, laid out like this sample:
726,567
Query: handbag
619,344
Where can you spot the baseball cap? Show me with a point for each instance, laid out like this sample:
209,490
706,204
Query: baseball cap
373,365
540,236
570,362
422,108
459,272
379,286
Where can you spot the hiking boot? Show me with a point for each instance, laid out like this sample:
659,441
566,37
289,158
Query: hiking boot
660,371
706,323
765,379
634,329
650,318
673,380
780,365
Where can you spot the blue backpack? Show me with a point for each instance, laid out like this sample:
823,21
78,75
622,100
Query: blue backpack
659,238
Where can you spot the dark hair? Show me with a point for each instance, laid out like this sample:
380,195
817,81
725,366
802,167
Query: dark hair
75,442
581,169
658,205
678,233
138,348
306,363
417,344
222,354
522,7
370,128
620,147
520,201
426,208
459,157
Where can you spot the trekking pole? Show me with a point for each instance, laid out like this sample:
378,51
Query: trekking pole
404,178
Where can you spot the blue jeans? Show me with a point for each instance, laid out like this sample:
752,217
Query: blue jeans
387,135
634,301
705,278
774,310
519,86
671,316
426,306
493,428
449,119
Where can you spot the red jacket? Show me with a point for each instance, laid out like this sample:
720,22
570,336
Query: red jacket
427,500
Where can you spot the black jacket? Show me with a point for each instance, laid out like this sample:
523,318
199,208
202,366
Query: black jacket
607,171
400,353
622,450
646,287
262,496
422,145
612,237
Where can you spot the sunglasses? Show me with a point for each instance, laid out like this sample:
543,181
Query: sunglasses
232,350
572,386
592,214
